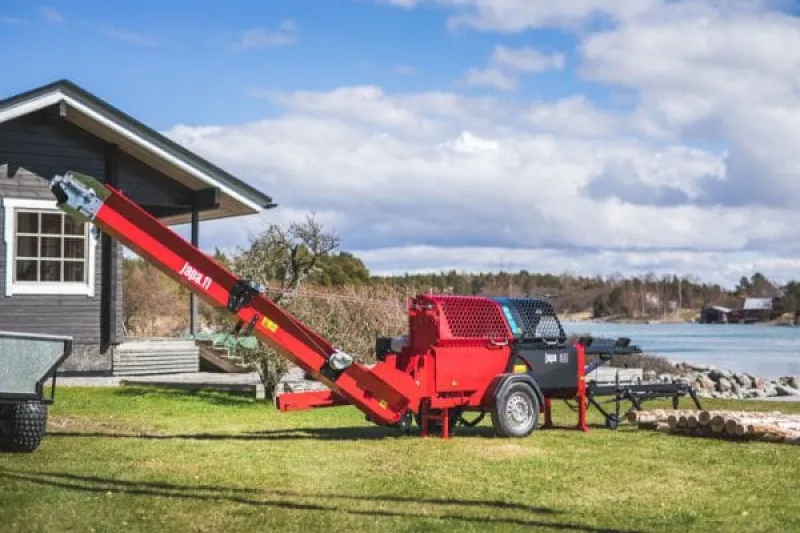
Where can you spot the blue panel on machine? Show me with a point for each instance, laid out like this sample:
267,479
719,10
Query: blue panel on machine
531,318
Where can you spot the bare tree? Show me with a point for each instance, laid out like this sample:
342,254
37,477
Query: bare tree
281,258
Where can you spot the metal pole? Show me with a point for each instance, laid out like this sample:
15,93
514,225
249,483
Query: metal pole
192,297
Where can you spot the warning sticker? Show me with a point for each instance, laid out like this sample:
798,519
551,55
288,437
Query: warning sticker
269,324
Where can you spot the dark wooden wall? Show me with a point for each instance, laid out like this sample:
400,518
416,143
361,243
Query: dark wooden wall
32,150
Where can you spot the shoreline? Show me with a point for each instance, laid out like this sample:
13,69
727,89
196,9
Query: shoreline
710,381
581,318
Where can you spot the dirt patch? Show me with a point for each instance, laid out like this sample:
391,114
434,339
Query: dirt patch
73,424
505,450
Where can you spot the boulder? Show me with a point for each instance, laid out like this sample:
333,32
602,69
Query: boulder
724,384
790,381
704,383
743,380
785,390
718,373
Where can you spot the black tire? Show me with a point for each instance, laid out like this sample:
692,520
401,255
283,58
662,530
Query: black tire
23,426
612,422
516,412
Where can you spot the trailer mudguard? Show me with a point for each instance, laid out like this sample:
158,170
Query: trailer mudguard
502,382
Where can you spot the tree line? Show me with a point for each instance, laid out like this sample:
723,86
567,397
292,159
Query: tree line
334,292
306,254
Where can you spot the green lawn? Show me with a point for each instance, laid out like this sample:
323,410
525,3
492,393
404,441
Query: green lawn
146,460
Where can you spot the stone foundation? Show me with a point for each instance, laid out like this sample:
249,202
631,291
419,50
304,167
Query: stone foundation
87,358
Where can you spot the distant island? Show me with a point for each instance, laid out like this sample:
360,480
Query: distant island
641,300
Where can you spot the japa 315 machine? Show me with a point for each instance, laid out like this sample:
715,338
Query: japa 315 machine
508,357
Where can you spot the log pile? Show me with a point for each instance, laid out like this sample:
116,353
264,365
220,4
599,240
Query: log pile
772,426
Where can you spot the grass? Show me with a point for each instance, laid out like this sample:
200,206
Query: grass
156,460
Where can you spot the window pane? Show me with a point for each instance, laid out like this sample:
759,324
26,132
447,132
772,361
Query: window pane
73,227
27,223
26,270
73,271
26,247
51,223
51,246
51,270
74,248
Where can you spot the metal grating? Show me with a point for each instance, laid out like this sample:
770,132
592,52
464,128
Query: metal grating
532,318
472,317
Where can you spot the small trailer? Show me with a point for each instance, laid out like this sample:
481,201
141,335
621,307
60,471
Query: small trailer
27,362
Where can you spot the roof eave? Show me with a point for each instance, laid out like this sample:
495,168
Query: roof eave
133,130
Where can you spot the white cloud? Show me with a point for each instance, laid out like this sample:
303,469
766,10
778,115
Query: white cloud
52,15
399,170
575,116
714,267
518,15
698,178
526,59
261,37
716,74
130,36
13,21
404,70
491,77
507,64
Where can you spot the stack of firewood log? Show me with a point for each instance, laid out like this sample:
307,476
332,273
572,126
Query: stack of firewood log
770,426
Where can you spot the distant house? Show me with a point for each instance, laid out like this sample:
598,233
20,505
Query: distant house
715,314
755,310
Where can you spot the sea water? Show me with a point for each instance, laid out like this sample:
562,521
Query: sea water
763,350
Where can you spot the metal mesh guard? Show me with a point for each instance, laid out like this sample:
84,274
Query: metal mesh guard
471,317
532,318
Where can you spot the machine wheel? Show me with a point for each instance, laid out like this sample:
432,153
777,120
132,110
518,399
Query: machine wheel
612,422
22,426
516,413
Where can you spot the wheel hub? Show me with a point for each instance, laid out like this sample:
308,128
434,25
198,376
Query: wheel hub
518,410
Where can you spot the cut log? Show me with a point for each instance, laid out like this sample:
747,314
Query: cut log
771,426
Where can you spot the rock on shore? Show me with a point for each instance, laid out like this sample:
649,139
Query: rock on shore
712,382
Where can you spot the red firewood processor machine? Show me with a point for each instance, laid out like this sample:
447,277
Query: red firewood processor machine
509,357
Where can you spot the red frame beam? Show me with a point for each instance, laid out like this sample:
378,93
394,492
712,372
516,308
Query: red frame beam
301,401
383,393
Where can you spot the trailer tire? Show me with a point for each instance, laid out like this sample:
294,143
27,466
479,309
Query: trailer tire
23,426
516,411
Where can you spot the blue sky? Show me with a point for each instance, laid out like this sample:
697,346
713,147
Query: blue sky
173,62
585,136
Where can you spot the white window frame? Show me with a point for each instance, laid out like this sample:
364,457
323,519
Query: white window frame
12,288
